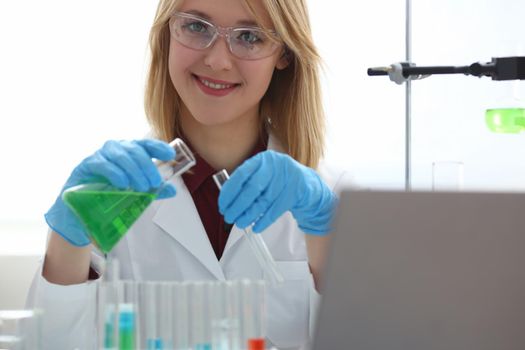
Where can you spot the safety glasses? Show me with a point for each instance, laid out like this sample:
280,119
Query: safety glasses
247,43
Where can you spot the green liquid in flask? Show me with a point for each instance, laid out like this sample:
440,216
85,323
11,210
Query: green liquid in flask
107,215
506,120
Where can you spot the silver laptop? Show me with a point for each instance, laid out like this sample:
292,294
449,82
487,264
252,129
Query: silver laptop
425,271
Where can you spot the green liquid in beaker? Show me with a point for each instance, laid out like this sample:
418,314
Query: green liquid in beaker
506,120
107,215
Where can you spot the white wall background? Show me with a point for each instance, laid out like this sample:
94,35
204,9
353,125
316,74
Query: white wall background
71,77
72,73
449,110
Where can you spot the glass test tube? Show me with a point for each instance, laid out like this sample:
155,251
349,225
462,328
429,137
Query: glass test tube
200,302
260,250
126,326
107,305
181,319
156,314
225,316
148,319
183,161
218,316
165,316
107,316
128,297
252,304
233,313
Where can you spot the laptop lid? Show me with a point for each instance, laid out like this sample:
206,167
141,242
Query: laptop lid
418,270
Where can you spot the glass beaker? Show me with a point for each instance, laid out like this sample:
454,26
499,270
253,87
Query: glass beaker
20,329
107,212
509,117
506,120
447,176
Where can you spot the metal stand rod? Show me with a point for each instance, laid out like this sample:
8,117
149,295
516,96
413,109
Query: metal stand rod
408,100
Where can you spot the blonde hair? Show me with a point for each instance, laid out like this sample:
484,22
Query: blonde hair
292,102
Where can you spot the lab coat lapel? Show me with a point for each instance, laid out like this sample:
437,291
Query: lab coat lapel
179,217
236,233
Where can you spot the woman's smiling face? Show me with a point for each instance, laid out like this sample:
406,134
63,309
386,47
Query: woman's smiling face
215,86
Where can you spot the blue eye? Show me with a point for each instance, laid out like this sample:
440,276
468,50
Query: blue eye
250,37
196,27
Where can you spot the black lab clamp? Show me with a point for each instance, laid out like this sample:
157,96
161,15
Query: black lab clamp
500,68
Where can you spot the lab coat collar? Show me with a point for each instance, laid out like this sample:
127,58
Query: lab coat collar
179,217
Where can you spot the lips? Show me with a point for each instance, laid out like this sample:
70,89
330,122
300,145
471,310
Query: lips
215,87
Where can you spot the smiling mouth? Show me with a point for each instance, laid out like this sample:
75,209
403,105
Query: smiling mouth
215,88
215,85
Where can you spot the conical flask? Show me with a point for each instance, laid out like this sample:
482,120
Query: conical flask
509,117
107,212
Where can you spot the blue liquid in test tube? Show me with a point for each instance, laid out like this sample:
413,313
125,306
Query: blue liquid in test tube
126,327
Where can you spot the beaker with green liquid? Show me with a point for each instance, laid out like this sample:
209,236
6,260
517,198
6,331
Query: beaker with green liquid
506,120
107,212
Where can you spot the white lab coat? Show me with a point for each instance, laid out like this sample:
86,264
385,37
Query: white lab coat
169,242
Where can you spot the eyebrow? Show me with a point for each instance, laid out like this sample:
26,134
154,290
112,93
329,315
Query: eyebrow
244,22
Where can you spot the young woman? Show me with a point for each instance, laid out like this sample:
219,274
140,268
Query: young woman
238,81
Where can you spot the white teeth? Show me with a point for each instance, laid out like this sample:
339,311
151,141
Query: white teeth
215,86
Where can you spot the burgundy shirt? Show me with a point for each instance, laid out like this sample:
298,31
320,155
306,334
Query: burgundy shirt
205,194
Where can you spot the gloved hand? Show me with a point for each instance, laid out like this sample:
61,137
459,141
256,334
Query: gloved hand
265,186
123,164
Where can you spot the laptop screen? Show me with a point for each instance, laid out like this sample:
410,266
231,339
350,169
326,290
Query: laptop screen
419,270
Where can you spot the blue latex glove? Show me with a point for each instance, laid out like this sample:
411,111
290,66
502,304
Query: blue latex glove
267,185
123,164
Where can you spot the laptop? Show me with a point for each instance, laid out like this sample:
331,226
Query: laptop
425,271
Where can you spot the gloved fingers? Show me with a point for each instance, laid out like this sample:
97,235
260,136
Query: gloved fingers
274,189
249,193
144,162
234,186
116,153
276,209
98,166
256,210
166,190
157,149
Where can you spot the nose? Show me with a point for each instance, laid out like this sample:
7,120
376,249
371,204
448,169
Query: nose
218,56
